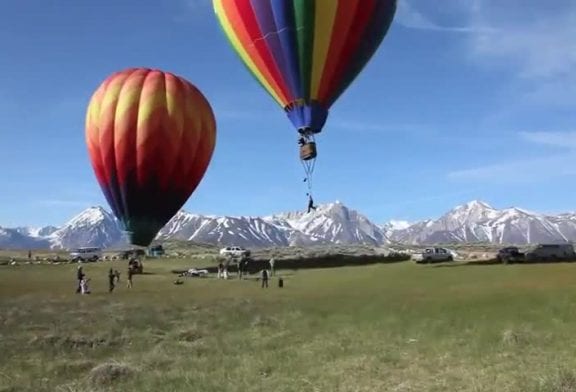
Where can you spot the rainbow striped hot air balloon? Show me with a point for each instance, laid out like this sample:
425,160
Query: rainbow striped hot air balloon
150,136
305,53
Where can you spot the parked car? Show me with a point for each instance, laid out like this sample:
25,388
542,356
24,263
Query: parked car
234,251
86,254
510,254
431,255
156,250
551,252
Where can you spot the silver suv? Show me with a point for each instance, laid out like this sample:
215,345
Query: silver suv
234,251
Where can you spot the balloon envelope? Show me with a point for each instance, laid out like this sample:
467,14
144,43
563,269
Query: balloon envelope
150,136
305,53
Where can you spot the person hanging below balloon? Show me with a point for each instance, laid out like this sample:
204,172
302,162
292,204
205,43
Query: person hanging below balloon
311,205
305,53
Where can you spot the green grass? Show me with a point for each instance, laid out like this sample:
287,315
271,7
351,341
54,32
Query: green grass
396,327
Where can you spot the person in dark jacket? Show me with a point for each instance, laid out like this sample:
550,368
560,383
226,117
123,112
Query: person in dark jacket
264,278
129,279
311,205
111,280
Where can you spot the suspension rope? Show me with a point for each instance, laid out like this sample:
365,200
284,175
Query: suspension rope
309,169
309,164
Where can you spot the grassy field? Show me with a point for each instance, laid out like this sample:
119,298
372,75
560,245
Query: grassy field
396,327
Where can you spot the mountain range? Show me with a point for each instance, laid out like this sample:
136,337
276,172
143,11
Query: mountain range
332,223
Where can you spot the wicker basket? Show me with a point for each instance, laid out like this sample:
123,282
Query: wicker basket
308,151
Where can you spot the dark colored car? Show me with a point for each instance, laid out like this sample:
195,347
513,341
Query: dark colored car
510,254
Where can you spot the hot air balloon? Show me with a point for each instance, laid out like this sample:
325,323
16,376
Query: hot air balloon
150,136
305,53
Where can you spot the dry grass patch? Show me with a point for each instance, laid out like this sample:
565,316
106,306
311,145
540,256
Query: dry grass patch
109,373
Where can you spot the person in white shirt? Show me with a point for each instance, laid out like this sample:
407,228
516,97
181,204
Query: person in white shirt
272,261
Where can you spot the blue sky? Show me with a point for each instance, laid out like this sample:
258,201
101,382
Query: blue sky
473,99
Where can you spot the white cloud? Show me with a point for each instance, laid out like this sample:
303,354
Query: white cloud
558,92
537,49
530,39
556,139
408,16
505,33
528,170
521,171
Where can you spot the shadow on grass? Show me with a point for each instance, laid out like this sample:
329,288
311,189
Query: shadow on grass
295,264
495,262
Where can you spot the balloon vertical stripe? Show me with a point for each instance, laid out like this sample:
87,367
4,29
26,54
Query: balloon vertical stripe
346,15
304,22
323,29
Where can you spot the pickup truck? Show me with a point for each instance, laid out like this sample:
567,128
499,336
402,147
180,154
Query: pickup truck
431,255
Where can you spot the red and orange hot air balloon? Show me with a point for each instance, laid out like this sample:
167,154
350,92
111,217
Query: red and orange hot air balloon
305,53
150,136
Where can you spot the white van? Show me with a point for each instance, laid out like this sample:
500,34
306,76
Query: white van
86,254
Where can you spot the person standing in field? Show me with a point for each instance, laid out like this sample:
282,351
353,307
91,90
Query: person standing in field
272,261
242,268
130,273
111,279
79,277
84,285
220,269
264,278
246,266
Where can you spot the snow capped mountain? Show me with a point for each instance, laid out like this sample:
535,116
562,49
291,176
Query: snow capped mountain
93,227
332,223
15,239
479,222
183,226
240,231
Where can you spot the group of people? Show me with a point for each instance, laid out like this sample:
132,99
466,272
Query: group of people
243,270
113,278
133,265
